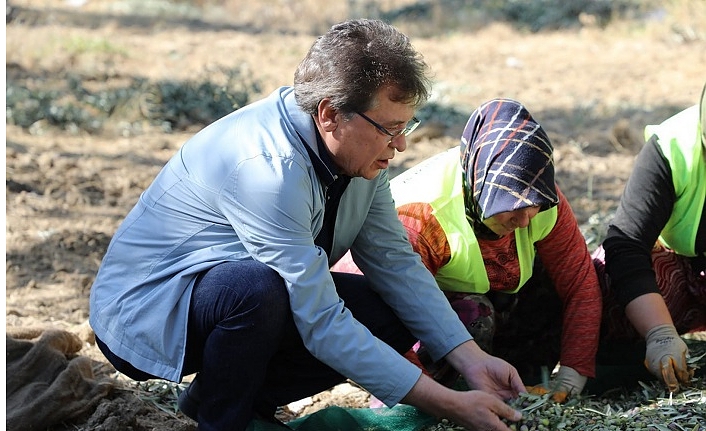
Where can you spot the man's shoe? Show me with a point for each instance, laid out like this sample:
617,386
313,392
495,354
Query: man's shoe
189,400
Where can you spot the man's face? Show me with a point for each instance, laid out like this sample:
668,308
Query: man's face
359,148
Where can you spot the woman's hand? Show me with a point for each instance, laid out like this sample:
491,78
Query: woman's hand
666,356
666,352
566,382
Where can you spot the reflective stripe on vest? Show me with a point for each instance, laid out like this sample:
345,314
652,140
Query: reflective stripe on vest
465,271
679,140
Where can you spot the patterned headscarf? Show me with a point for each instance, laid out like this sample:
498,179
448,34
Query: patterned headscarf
507,162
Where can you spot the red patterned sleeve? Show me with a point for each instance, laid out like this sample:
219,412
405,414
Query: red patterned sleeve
567,260
426,235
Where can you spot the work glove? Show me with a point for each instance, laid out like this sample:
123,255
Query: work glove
567,381
666,356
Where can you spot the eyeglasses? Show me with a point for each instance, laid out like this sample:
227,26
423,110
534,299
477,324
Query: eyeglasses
406,130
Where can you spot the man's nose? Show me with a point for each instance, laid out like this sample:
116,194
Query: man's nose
399,142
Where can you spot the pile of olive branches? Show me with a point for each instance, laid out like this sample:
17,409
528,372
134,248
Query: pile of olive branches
649,407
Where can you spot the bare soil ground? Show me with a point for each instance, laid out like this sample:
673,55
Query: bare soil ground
592,88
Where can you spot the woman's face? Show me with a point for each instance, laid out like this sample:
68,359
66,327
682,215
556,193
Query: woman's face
506,222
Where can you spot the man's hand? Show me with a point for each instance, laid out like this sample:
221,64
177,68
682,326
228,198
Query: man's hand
486,372
482,411
666,356
474,410
566,382
492,380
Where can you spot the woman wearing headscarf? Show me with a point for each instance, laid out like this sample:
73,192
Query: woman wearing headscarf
654,253
491,225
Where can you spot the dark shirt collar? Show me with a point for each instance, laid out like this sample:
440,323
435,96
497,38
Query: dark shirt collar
326,158
325,168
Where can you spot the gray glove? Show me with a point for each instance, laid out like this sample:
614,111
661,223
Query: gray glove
666,356
567,381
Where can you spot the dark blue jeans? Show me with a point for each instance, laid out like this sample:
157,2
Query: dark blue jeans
247,352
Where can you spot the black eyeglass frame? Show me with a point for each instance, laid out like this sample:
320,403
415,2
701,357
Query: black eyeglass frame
406,130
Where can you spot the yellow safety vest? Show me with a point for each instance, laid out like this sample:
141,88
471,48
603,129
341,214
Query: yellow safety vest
438,182
680,142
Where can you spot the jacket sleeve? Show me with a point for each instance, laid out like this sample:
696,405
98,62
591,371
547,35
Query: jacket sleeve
383,253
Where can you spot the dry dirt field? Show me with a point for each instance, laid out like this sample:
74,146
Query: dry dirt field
67,189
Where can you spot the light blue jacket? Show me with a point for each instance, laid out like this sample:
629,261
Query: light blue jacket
245,188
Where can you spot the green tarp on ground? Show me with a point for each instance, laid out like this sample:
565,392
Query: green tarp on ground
398,418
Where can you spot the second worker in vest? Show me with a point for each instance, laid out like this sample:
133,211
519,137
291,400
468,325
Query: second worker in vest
654,254
490,223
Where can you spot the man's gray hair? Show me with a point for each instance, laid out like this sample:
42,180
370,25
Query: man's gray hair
353,61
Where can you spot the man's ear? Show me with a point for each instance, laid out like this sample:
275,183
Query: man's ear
328,116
